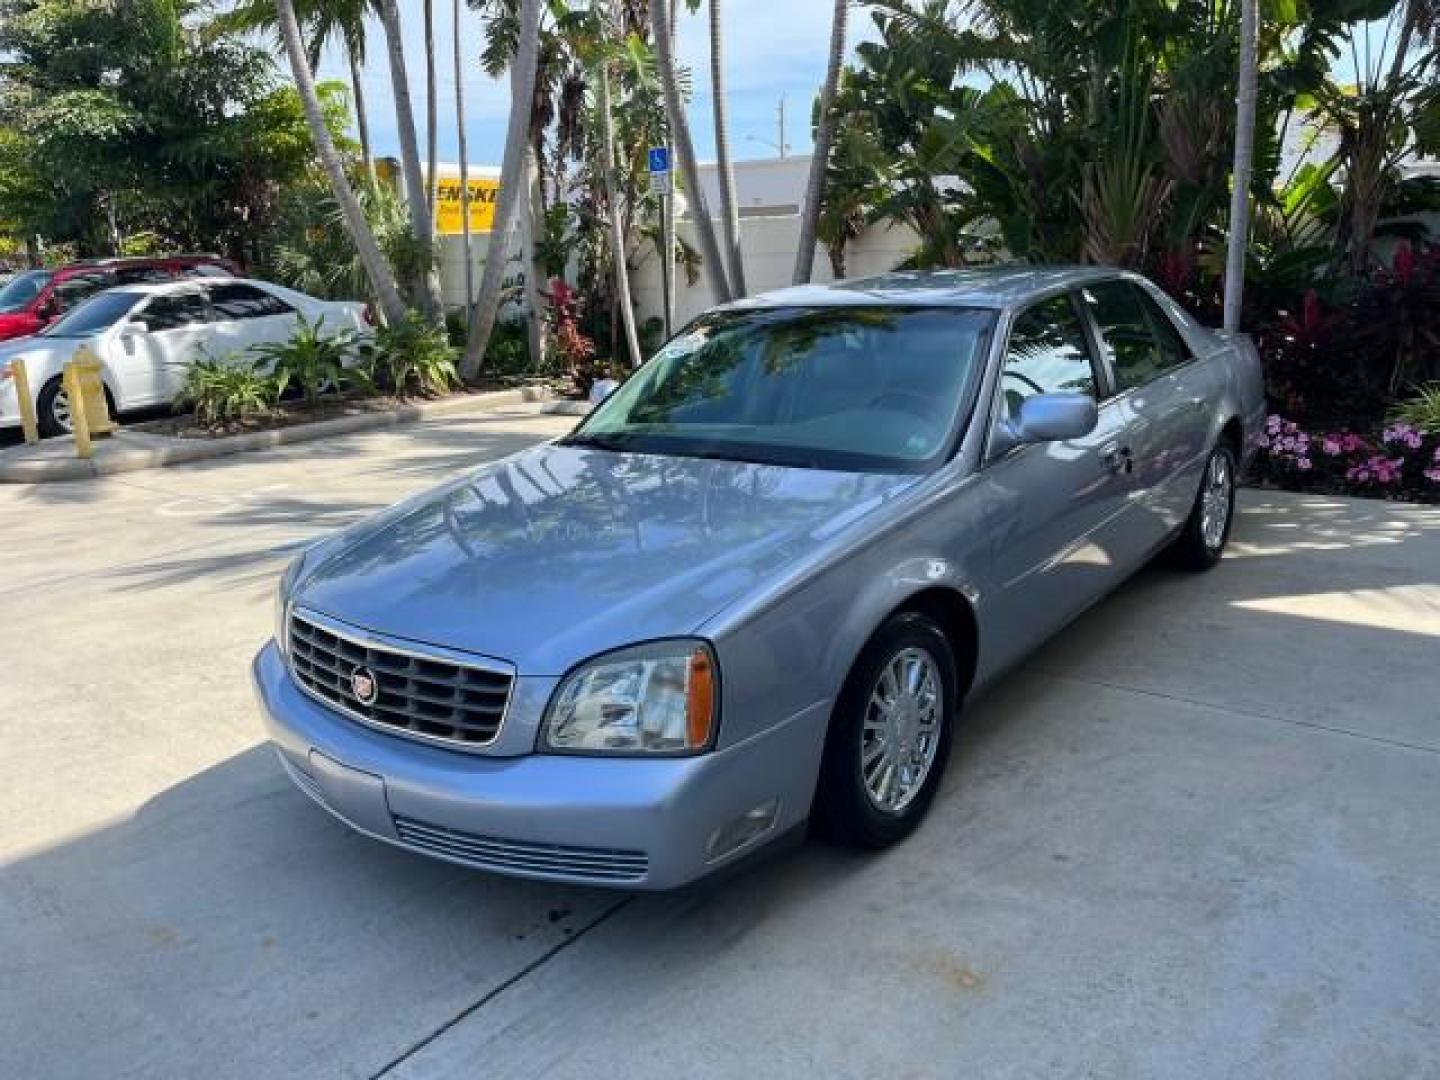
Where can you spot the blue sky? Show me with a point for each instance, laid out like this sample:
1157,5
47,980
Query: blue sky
773,47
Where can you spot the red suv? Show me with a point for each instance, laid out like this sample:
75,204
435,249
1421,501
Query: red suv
34,299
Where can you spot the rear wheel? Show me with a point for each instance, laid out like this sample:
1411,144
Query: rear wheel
1202,541
890,735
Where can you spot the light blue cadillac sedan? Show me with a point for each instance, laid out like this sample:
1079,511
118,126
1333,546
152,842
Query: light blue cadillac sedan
755,587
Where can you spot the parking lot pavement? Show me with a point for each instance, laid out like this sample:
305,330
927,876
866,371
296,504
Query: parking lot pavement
1197,835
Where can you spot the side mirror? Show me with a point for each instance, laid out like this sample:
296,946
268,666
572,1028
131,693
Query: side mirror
47,311
1049,418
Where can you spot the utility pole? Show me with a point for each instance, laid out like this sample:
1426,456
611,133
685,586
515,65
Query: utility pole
782,127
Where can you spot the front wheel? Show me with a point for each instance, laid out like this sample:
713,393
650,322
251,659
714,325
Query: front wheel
52,409
890,735
1202,540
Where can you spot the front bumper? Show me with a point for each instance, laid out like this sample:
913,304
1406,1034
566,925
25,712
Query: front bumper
633,823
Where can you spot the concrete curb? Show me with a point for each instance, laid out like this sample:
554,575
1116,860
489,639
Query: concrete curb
565,407
132,451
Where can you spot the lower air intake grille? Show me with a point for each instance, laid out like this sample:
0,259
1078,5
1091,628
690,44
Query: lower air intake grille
490,853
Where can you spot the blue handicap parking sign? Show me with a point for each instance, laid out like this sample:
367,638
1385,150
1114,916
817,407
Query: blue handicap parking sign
659,159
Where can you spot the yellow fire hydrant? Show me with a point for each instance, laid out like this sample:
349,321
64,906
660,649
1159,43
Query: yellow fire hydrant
85,390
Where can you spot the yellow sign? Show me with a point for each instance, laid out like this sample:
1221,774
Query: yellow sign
449,220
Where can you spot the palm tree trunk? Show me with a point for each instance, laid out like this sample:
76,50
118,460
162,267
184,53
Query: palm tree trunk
534,219
617,232
820,158
723,166
461,145
428,287
667,221
382,278
432,110
1244,162
362,114
522,96
684,147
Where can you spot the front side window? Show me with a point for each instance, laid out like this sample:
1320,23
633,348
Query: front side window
1133,333
1047,353
94,315
861,388
176,311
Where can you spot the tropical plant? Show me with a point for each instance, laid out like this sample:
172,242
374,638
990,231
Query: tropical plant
1421,410
838,228
414,356
523,81
683,146
720,108
228,389
313,360
425,288
310,250
377,269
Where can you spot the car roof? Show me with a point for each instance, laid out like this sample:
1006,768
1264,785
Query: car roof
984,287
151,288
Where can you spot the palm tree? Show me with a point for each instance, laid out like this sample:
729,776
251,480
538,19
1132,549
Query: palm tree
460,139
1244,161
428,287
355,54
382,277
728,207
684,146
820,158
432,109
618,250
487,304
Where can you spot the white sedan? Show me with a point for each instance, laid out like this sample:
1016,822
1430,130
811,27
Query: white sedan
147,335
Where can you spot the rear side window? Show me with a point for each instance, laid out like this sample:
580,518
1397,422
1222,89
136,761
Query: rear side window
142,275
175,311
1047,353
246,302
1139,337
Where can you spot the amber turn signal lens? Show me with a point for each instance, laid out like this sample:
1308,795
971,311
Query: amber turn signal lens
699,698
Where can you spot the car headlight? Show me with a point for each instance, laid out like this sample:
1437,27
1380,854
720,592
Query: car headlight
660,698
282,603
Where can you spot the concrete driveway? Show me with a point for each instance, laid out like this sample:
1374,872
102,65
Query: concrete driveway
1197,836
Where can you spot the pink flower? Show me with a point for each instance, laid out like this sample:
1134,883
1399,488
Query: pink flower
1331,445
1273,423
1303,464
1433,475
1263,442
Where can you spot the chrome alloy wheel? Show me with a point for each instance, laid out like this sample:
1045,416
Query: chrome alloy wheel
902,730
60,410
1216,498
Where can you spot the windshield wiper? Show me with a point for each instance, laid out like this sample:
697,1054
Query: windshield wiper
598,442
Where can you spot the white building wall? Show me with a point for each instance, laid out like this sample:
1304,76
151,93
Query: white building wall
769,245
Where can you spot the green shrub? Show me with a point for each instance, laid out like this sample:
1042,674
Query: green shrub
230,389
312,360
509,350
1422,411
414,355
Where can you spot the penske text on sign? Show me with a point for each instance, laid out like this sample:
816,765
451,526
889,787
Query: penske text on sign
448,219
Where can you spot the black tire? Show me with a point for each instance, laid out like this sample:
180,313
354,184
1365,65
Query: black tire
845,809
1199,546
50,423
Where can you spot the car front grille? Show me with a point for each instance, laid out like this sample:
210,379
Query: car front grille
423,696
519,856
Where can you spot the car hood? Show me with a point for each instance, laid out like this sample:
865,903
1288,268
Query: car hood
559,553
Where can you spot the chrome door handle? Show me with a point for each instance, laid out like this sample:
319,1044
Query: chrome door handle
1118,459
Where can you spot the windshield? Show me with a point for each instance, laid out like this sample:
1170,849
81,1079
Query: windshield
17,294
100,312
857,388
